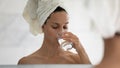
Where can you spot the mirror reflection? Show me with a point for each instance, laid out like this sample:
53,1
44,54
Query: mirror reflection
73,21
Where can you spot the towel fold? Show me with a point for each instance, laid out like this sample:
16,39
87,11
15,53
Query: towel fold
37,11
105,15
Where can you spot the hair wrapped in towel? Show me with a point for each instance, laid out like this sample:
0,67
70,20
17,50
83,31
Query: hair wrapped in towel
106,16
37,11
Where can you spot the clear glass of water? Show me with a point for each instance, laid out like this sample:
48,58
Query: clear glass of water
66,45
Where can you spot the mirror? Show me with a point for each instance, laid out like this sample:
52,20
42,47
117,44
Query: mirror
16,41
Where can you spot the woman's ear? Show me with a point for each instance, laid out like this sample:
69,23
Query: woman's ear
43,28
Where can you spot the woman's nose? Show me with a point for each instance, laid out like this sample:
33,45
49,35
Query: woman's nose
61,32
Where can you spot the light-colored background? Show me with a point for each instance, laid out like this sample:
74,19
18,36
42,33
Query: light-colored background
16,41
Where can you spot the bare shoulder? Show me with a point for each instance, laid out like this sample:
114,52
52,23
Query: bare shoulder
24,60
31,59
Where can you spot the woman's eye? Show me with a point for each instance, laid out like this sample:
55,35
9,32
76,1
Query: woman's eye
54,27
65,27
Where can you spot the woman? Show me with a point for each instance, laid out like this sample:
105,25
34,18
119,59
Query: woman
106,17
112,53
52,19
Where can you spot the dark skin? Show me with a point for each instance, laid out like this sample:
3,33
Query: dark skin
51,52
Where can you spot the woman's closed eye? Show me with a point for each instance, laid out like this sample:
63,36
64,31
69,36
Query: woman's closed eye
55,26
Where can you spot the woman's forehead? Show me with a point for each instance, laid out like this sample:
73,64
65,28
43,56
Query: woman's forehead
59,17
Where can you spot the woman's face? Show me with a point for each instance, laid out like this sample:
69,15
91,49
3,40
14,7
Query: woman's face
57,23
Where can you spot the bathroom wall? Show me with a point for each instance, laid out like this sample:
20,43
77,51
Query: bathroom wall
16,41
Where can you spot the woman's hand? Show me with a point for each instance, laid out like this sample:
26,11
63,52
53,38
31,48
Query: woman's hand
70,37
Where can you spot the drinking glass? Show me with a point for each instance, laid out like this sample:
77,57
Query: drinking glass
66,45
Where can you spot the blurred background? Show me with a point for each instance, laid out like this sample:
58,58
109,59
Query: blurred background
16,41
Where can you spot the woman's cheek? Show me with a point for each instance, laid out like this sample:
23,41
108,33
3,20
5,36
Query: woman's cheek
52,32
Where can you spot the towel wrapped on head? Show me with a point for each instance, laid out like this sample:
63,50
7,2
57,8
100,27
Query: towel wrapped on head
37,11
105,14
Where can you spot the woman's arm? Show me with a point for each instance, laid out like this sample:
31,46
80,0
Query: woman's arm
83,56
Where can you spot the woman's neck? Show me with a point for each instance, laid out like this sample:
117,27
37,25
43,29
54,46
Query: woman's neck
112,48
50,48
111,54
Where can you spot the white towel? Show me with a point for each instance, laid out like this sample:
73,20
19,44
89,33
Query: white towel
105,15
37,11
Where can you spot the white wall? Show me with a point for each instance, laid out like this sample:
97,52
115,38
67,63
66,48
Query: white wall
16,41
